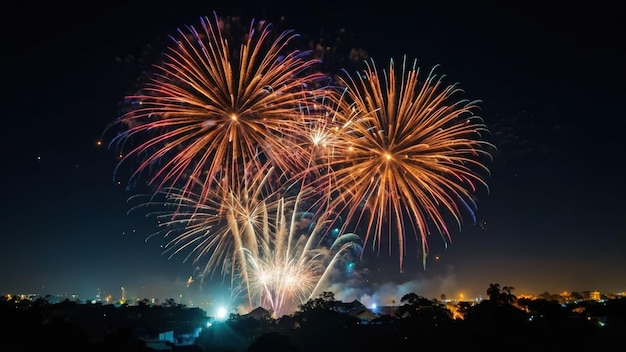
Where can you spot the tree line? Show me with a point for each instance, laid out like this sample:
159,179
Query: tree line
323,323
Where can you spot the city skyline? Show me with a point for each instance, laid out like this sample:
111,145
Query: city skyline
550,86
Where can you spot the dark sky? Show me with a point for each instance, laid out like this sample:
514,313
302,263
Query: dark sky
552,84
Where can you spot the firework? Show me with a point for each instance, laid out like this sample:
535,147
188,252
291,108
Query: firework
409,154
274,249
214,110
241,140
293,262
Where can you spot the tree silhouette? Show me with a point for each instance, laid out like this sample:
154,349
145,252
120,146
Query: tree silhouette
494,292
413,303
506,296
169,303
325,301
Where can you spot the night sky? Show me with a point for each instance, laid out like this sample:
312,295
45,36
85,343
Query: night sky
552,85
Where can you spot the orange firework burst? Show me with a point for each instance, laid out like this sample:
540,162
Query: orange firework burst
215,110
407,155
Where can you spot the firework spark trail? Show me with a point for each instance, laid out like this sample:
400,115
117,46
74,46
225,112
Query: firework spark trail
408,154
255,236
292,266
215,110
212,229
